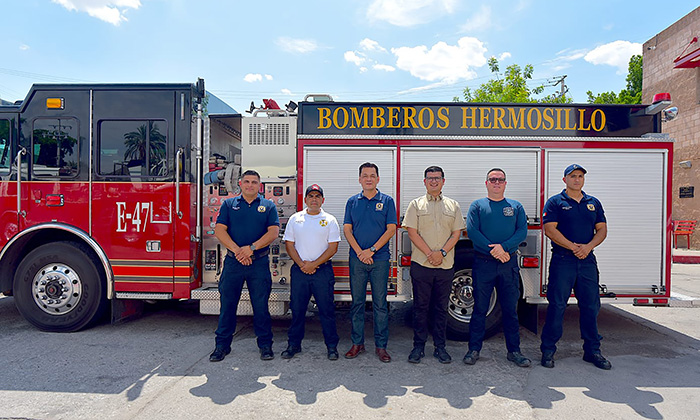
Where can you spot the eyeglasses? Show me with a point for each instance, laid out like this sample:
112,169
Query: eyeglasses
495,180
433,178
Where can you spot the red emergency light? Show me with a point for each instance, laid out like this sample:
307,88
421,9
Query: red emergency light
405,260
661,97
270,104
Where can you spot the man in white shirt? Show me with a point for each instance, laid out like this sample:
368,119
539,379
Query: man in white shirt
311,239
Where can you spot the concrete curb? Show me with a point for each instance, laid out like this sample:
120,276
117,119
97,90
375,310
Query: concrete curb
682,301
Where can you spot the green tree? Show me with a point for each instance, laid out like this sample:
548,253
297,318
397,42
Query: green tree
632,94
511,88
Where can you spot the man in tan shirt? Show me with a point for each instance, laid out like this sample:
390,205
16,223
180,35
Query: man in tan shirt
433,222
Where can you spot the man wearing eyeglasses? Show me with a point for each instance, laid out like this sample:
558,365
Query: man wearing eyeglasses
433,222
496,226
575,223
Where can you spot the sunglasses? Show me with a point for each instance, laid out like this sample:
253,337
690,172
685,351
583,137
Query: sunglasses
495,180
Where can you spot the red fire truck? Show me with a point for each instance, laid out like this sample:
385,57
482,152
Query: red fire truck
110,192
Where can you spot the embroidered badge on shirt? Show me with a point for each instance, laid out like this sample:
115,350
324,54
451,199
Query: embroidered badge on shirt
591,207
379,206
508,211
323,222
261,209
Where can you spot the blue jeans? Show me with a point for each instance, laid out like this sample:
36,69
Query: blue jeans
488,273
321,286
566,272
377,275
257,278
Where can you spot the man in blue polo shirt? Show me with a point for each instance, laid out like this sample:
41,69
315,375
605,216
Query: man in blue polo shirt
246,226
370,222
496,226
575,223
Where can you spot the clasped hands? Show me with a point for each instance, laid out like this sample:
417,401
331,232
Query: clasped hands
499,253
244,255
581,251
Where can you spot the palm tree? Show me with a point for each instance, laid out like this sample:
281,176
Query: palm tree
147,140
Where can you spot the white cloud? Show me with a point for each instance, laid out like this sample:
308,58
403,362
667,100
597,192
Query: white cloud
383,67
110,11
504,55
286,91
479,22
616,54
363,69
442,62
564,58
252,77
300,46
409,12
371,45
354,57
268,77
23,47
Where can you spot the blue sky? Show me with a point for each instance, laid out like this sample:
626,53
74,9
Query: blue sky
361,50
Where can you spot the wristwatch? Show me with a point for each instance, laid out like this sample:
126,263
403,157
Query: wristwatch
252,247
373,249
443,252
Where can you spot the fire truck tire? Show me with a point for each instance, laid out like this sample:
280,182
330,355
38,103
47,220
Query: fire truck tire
461,306
58,287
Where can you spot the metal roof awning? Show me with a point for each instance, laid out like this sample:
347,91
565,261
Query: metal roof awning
690,60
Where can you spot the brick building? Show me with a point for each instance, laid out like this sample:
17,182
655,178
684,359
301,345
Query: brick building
660,75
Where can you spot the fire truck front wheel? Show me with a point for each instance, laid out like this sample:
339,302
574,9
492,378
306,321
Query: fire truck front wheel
58,287
461,307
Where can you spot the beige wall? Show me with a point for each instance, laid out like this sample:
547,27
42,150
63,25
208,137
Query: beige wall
684,87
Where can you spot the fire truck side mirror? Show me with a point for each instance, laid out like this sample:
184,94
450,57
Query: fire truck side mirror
199,88
669,114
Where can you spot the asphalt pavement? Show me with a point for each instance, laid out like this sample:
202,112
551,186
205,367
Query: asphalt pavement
156,367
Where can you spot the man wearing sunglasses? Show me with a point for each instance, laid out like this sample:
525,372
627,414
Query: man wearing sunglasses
496,226
433,222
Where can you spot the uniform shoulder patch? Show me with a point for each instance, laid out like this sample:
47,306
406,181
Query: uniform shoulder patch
261,209
591,207
379,207
323,222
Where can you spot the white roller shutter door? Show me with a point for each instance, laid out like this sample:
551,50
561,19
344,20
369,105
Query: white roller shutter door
631,187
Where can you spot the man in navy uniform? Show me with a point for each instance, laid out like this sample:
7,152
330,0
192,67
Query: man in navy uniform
311,239
496,226
369,224
246,226
575,223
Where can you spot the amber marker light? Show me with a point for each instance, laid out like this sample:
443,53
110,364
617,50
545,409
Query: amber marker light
55,103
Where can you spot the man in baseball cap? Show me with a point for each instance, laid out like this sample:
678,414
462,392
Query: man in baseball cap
311,239
575,222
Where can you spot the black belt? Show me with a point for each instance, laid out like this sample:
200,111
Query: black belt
256,254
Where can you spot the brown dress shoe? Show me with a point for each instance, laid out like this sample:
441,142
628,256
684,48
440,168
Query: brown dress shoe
354,351
383,355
